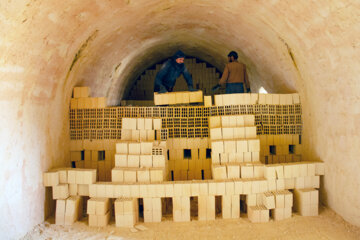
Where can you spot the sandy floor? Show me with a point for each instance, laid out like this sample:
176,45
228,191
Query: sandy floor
327,225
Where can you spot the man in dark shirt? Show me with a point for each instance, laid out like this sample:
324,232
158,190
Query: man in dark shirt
166,77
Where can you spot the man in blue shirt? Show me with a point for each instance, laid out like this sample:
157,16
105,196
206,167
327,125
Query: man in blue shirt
166,77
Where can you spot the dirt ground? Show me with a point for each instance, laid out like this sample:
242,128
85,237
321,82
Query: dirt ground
328,225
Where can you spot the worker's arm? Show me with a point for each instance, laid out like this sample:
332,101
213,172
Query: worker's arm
223,79
224,76
158,86
246,80
188,79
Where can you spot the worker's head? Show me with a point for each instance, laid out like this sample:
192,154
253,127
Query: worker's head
179,57
232,56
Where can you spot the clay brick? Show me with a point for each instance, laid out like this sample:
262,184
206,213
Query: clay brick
121,160
60,212
143,175
51,178
214,122
122,148
207,101
61,191
225,121
133,161
216,133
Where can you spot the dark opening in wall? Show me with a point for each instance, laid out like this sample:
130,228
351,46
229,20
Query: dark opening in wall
168,155
243,207
291,149
194,208
73,164
167,208
187,153
101,155
141,209
218,206
208,153
82,155
202,174
172,175
272,149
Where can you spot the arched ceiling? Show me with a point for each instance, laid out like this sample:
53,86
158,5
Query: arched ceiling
117,55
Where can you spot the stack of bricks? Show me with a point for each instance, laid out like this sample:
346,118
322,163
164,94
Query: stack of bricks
206,208
279,202
294,175
68,210
304,177
102,160
81,99
67,187
284,148
152,209
204,78
261,196
283,205
235,149
306,201
139,162
281,128
140,129
189,158
99,212
257,214
186,122
236,99
126,212
173,98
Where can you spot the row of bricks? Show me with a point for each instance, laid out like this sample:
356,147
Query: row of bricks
87,103
236,146
184,111
189,163
238,157
133,147
291,170
234,171
69,175
232,121
141,123
141,175
140,135
284,139
196,173
275,159
254,98
232,133
187,143
172,98
280,149
244,186
136,161
231,172
200,188
271,200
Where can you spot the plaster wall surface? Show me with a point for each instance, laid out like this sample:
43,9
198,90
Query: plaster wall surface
48,47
